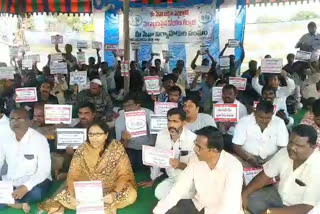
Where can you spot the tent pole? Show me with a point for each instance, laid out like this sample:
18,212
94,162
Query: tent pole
126,42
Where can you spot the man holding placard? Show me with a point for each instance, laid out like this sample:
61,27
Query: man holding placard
175,137
68,57
216,176
27,154
132,103
234,64
258,136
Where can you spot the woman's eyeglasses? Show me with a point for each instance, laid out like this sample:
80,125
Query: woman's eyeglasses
95,134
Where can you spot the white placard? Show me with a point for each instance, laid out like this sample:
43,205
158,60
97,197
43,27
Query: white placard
271,65
224,62
82,44
56,57
110,47
226,113
238,82
158,122
136,123
125,68
135,46
217,94
6,190
58,68
24,48
152,84
303,56
78,77
191,76
202,69
81,57
71,137
90,209
82,87
233,43
88,191
24,95
167,55
153,156
33,58
57,114
7,73
57,39
203,49
97,45
250,173
161,108
27,63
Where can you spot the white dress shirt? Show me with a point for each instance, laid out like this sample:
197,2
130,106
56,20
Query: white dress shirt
308,173
315,210
202,120
4,127
28,160
248,135
215,188
185,143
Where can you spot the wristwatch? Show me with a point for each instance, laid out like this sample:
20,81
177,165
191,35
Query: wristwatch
269,211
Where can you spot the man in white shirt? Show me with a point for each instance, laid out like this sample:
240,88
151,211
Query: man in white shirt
258,136
310,41
4,130
28,157
269,94
216,176
299,170
196,120
181,141
273,80
229,95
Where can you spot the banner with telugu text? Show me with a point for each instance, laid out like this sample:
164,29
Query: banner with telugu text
172,25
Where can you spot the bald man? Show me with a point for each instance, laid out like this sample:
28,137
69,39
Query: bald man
27,154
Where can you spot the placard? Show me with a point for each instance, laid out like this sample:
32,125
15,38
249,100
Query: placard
233,43
167,54
191,76
97,45
78,77
34,58
158,122
70,137
125,68
7,73
58,68
161,108
152,84
303,56
238,82
82,44
271,65
152,156
226,113
203,49
6,190
24,48
136,123
57,114
25,95
202,69
250,173
26,63
135,46
110,47
217,94
89,195
82,87
81,57
56,57
224,62
57,39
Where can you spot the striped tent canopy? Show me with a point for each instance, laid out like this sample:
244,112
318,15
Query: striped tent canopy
20,7
156,1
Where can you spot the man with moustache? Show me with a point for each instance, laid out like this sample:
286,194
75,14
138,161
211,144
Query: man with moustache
299,171
181,141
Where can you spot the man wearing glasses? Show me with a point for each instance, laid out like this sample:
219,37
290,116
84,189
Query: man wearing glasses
181,141
216,176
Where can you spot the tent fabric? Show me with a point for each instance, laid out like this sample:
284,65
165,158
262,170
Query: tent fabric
20,7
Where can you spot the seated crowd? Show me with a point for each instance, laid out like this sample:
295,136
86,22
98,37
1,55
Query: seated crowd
211,158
